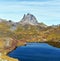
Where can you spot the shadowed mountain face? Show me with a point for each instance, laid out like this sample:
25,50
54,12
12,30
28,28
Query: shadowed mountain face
29,19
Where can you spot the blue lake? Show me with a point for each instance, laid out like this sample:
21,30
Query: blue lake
36,52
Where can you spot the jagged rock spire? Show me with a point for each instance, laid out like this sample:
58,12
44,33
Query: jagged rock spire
29,19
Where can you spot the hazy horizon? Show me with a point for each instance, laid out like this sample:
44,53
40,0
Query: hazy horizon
47,11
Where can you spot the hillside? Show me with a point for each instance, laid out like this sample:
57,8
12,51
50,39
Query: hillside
27,26
29,30
26,30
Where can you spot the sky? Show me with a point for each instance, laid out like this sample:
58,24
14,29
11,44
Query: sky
47,11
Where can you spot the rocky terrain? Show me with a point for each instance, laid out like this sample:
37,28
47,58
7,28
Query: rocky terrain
28,29
29,19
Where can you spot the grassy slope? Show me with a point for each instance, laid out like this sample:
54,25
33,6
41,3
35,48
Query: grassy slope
28,33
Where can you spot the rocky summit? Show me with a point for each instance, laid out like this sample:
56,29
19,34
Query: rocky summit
29,19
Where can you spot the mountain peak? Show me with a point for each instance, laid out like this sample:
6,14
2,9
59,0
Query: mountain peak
29,19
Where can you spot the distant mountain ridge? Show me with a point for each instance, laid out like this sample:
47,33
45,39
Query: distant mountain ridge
29,19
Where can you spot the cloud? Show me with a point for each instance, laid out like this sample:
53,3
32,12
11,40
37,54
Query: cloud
45,11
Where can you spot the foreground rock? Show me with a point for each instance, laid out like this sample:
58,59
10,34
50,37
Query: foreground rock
6,58
6,46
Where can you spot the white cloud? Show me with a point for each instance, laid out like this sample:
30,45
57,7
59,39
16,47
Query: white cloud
44,11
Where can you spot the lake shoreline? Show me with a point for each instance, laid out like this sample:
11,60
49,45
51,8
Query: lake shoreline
38,46
33,42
